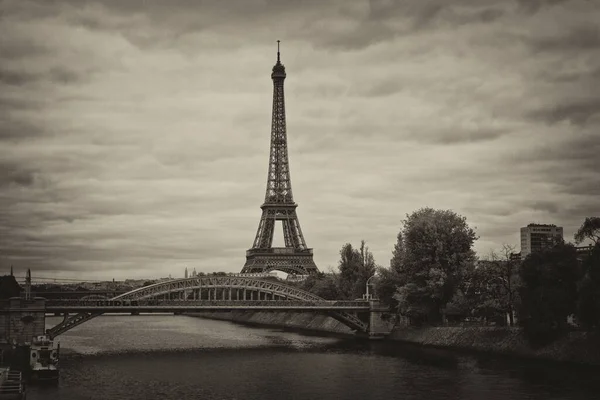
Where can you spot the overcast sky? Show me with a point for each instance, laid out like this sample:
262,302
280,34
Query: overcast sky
134,135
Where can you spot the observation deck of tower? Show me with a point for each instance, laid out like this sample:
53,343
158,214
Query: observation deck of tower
279,205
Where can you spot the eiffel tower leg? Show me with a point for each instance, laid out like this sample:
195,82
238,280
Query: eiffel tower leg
287,234
264,234
297,233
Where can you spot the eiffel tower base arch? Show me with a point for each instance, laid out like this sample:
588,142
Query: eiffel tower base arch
290,262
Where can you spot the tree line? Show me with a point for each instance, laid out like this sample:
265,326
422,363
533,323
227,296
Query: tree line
434,278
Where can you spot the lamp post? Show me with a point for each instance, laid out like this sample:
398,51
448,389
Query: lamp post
367,295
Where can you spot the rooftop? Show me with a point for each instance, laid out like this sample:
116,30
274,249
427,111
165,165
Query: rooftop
536,225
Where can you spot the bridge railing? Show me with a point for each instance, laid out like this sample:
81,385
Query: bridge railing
205,303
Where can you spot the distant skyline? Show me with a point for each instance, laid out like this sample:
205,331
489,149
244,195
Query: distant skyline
134,135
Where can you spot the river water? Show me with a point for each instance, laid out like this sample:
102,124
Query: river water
178,357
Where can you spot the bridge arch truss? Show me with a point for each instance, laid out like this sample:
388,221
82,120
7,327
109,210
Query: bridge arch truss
211,288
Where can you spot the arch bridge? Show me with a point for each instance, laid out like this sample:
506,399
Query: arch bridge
217,293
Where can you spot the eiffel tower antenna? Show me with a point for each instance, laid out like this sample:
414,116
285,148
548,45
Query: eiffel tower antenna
295,257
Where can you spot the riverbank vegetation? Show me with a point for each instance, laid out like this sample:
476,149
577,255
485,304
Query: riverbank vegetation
434,278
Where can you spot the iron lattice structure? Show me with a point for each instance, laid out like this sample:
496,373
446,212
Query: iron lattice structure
279,205
226,284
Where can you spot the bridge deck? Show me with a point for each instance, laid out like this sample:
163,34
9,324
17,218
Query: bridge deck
125,306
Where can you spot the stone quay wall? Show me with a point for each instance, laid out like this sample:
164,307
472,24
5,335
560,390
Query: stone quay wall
577,347
308,321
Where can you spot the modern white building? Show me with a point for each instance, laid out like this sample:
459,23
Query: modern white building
535,237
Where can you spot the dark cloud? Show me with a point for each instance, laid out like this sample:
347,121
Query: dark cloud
14,131
57,74
65,75
455,137
546,206
580,38
18,47
352,25
582,209
572,165
577,113
572,77
14,78
533,6
382,88
14,174
387,20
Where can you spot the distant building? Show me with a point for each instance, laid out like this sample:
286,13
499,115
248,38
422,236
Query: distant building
186,273
584,251
515,257
535,237
194,273
296,278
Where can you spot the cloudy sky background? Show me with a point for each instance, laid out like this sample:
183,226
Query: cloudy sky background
134,135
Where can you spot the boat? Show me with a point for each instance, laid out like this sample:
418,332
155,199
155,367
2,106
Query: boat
43,359
12,386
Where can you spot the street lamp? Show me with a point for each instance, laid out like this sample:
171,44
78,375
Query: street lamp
367,295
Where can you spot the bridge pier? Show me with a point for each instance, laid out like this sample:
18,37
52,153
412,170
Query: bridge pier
21,320
379,325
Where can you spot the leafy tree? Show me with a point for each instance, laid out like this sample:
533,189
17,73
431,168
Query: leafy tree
548,292
415,301
498,281
389,279
356,266
588,290
590,229
437,254
467,299
323,285
398,254
386,285
348,267
459,307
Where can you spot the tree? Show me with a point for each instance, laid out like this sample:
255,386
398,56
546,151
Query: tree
437,253
498,278
588,291
386,285
398,254
348,267
356,266
548,292
468,297
389,279
322,284
590,229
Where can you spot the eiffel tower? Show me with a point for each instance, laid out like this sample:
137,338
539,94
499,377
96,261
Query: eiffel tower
295,258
